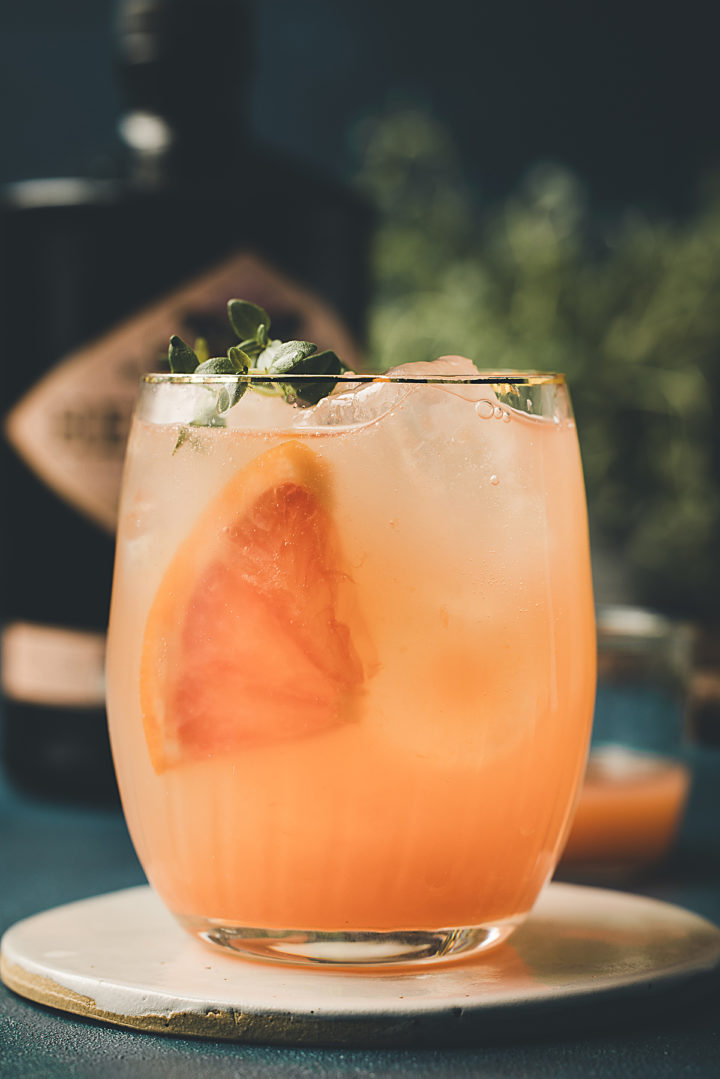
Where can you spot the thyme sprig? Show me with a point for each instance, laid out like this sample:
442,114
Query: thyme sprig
259,353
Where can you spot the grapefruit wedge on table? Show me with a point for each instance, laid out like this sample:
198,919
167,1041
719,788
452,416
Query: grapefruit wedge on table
244,643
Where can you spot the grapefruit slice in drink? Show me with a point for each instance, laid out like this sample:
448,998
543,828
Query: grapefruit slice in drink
247,640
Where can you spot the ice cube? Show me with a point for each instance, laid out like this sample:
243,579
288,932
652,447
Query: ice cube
259,411
167,402
440,432
451,367
443,367
354,404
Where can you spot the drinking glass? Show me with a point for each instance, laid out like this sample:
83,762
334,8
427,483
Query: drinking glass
638,777
351,657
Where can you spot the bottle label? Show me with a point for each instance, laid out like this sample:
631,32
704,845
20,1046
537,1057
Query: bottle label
71,428
47,665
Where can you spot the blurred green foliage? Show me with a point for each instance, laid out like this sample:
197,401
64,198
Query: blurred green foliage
627,309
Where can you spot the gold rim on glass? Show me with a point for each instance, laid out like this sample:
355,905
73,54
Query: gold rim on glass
489,378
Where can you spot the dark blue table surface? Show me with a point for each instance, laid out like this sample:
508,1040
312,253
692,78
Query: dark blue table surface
51,855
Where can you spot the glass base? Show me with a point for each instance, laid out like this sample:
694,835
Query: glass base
355,949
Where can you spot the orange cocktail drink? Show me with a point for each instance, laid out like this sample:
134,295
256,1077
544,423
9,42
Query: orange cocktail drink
351,661
628,812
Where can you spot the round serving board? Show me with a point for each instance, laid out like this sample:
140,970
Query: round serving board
585,955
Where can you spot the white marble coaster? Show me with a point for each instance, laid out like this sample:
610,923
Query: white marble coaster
584,955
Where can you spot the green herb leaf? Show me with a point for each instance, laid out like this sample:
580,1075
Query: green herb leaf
306,390
248,320
182,438
227,365
239,359
242,364
287,357
181,357
265,356
251,348
218,365
201,349
323,363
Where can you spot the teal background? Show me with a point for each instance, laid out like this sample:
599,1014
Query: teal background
624,94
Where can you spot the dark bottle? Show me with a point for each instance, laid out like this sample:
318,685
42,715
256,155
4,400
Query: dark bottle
94,278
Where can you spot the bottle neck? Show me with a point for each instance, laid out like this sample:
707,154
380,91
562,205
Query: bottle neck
157,151
183,68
